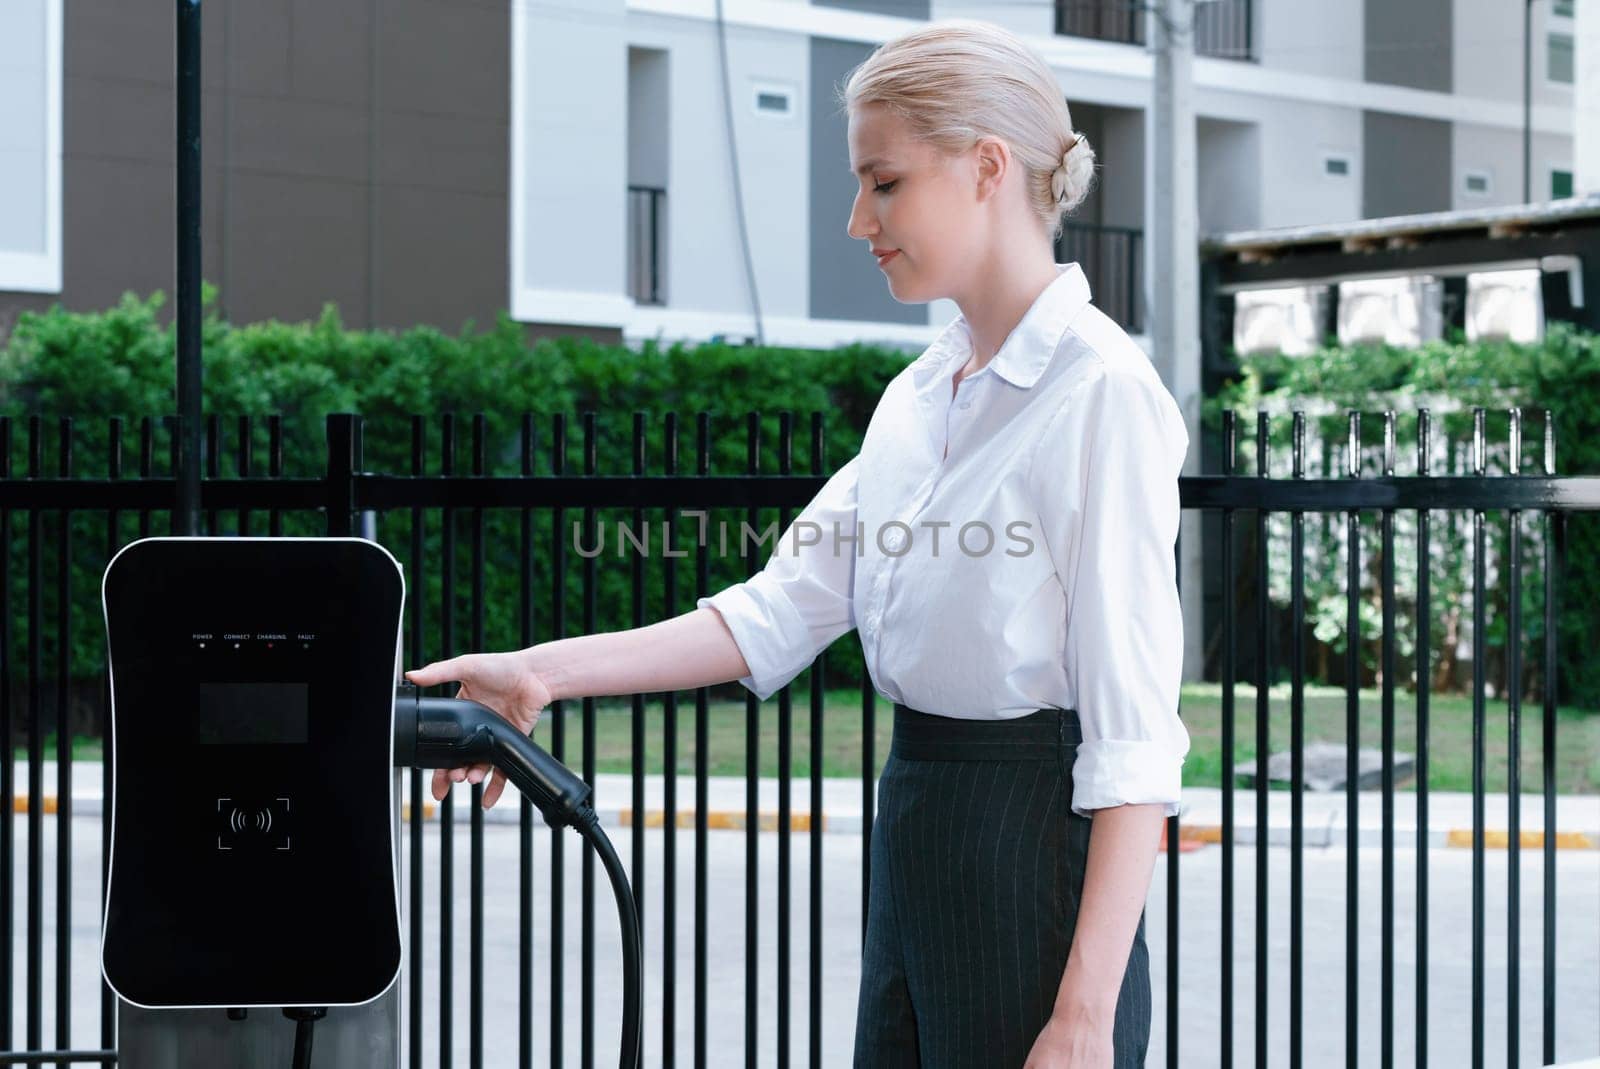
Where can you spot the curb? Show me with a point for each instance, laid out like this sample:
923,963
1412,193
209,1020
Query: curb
1200,834
1207,834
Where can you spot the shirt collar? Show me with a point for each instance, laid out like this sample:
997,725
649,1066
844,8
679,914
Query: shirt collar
1025,352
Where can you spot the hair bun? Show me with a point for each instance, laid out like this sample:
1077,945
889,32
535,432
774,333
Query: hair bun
1058,177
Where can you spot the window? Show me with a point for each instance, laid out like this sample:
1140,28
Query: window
1562,8
774,101
1335,164
1475,183
1558,58
1560,184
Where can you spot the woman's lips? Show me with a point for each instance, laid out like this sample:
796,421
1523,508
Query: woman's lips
886,257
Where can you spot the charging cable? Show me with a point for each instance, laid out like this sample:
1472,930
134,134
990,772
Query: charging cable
304,1017
453,732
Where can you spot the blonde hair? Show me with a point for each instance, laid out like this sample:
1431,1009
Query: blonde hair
957,80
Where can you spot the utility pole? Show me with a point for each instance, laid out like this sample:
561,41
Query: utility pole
1172,272
186,329
1527,101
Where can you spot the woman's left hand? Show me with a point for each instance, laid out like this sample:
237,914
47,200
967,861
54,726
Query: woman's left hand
1064,1044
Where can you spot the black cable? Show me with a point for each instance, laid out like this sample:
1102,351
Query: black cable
304,1017
456,732
302,1043
588,825
738,192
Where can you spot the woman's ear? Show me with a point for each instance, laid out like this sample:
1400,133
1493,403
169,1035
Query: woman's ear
993,159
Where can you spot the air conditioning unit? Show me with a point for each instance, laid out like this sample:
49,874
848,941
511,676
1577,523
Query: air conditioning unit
1505,305
1390,311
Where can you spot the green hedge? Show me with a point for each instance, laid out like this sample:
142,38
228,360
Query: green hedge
93,366
1449,379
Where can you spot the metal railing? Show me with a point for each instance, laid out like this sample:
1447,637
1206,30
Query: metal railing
1110,258
442,497
1222,28
646,212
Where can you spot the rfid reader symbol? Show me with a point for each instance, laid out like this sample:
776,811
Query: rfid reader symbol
247,825
261,821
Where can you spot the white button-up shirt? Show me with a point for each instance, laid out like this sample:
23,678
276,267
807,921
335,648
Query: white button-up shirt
1003,545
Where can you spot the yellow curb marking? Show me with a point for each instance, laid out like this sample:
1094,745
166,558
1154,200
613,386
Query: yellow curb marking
405,811
1499,839
722,819
1493,838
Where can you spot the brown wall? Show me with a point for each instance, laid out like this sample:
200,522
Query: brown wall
352,151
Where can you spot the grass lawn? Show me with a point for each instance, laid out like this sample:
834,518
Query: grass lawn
1450,722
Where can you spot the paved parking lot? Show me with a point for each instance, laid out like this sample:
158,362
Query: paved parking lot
1578,964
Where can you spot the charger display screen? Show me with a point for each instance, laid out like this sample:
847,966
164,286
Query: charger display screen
252,713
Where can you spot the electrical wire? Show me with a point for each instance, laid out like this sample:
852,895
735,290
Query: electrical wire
738,194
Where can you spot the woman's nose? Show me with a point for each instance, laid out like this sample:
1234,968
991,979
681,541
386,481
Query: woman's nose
859,225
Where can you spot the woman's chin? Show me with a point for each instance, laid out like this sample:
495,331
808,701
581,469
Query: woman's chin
903,290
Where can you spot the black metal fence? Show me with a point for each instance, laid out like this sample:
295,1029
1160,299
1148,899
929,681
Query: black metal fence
442,498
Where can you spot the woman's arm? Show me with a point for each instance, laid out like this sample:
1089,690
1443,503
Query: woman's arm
1123,844
694,649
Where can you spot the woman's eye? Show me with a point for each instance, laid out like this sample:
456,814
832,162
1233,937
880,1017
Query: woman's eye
884,187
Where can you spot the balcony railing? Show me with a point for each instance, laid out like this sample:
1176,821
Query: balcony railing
1109,256
646,212
1222,28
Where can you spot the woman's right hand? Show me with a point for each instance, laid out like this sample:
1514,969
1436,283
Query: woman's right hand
501,681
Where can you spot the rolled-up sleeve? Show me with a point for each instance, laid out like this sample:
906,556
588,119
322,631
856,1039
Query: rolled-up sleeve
800,602
1105,477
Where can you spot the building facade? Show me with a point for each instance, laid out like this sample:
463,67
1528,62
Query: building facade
575,162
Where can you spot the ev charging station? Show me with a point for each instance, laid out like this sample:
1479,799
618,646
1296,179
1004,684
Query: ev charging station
258,723
258,729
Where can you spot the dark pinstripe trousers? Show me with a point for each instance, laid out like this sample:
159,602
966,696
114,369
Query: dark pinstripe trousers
977,872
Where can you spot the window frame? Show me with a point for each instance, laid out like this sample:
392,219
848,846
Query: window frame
1551,170
789,94
1572,45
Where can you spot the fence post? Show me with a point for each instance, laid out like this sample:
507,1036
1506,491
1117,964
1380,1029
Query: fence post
344,459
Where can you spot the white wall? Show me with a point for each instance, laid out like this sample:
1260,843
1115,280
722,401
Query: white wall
1498,151
30,146
1585,153
1028,17
1311,37
569,163
1304,98
1228,166
705,268
1292,136
1488,51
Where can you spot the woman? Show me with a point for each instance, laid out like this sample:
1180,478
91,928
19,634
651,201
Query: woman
1004,541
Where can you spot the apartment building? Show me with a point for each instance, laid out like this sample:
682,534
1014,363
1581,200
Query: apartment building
574,161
